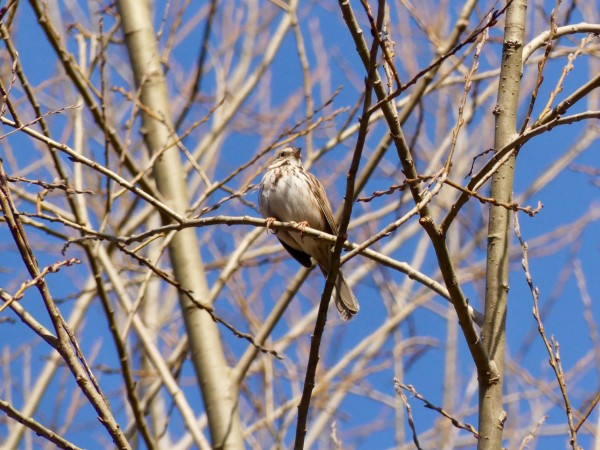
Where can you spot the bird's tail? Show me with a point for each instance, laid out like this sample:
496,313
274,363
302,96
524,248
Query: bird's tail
344,298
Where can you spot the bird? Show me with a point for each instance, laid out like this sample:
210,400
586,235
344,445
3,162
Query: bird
290,193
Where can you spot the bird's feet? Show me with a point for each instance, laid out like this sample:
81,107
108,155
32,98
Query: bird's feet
270,228
301,227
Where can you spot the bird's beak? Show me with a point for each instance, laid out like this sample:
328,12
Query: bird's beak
297,152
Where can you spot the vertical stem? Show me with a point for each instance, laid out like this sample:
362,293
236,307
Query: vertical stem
220,395
491,413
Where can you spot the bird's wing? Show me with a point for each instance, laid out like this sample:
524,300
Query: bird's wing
324,204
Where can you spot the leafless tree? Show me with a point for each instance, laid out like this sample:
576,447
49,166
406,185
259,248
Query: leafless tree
145,305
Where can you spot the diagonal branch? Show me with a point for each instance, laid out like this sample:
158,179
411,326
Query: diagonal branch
437,235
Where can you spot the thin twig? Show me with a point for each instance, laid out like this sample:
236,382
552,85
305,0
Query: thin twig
457,423
209,309
552,346
27,284
49,186
588,412
411,423
531,435
37,427
514,206
541,65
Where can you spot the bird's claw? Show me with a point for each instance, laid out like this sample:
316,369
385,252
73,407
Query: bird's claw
269,225
301,227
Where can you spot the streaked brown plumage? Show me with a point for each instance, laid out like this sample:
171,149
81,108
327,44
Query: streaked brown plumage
289,193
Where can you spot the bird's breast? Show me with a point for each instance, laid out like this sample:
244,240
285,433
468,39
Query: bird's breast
290,198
